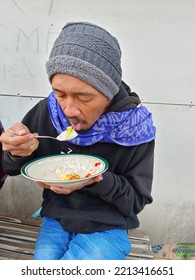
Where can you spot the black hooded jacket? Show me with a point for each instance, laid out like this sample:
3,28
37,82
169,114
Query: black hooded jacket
114,202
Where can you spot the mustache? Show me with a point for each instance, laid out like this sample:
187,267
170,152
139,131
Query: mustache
75,120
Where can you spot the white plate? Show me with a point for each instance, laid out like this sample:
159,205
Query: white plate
48,169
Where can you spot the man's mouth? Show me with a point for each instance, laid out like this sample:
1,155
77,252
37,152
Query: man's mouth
76,126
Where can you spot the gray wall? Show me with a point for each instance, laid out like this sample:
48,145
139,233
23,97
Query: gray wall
158,43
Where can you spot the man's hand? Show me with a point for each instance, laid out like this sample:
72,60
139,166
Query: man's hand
19,141
61,190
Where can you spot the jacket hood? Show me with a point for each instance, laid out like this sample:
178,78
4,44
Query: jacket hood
124,100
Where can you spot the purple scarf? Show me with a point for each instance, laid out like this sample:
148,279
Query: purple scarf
127,128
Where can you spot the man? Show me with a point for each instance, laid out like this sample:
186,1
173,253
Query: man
89,221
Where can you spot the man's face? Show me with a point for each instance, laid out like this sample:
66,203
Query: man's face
81,103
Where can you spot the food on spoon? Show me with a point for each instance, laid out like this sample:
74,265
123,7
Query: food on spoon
72,176
68,134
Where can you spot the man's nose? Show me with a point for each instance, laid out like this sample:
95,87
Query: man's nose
71,110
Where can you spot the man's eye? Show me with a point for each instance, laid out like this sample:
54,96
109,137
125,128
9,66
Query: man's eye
85,98
60,96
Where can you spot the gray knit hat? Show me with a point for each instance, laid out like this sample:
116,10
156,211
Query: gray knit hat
88,52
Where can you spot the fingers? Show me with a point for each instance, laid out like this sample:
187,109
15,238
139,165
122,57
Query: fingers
97,179
43,185
94,180
61,190
20,145
19,141
20,129
65,191
56,189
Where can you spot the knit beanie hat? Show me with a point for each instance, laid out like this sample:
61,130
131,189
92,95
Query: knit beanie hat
88,52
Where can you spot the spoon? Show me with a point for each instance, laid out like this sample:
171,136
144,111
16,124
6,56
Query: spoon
68,134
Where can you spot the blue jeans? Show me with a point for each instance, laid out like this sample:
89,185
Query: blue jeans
54,243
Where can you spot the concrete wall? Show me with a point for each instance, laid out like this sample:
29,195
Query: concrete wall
157,41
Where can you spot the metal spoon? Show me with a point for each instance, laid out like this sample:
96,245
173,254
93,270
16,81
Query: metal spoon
66,135
48,137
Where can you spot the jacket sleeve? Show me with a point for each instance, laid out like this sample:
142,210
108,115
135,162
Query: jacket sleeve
12,164
129,192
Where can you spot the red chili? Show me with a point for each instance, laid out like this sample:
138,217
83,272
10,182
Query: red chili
97,163
88,175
